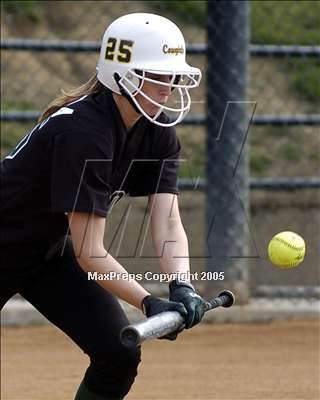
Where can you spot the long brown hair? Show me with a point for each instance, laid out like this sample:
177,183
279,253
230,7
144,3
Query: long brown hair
92,86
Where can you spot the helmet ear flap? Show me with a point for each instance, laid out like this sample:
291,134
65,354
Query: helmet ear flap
132,86
117,78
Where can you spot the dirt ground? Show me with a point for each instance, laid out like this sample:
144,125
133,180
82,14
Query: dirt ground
276,361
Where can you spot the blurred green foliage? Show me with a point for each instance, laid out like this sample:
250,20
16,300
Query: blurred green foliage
11,134
194,151
285,22
7,105
194,10
272,22
30,9
305,77
259,161
290,23
290,151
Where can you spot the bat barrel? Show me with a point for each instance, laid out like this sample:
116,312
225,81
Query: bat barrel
130,336
156,326
169,321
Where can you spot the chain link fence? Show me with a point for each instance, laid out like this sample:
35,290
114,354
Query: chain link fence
282,83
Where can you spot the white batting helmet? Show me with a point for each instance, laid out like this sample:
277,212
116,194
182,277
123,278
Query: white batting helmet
139,43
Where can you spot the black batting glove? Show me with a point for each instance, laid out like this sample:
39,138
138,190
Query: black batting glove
152,305
184,292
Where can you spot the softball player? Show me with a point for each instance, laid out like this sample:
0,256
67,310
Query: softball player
109,137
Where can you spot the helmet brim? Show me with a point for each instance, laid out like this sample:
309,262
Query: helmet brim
163,69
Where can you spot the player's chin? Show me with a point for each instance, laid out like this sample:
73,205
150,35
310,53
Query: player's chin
153,110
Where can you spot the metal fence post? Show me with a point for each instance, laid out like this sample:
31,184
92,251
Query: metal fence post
227,171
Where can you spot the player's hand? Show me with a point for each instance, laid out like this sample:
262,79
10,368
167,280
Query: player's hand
184,292
154,305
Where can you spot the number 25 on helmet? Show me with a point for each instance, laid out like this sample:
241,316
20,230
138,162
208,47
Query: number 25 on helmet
137,46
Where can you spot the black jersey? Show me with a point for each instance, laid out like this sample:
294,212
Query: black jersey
75,161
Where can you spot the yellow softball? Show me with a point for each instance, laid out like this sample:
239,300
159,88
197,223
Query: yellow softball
286,250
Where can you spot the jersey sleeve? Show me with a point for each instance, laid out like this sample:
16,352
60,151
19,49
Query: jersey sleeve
160,173
81,169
